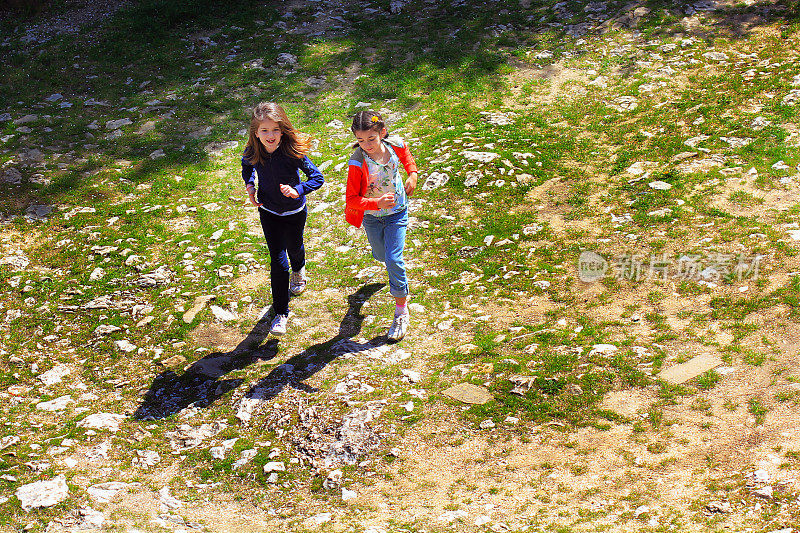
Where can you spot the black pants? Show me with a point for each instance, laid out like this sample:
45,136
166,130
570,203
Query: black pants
284,238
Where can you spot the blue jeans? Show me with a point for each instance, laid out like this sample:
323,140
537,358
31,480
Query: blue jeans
387,237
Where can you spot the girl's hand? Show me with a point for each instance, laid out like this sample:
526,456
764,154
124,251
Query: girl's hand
386,201
251,193
411,183
289,191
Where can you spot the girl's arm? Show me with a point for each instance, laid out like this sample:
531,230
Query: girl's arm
314,181
353,196
249,177
404,154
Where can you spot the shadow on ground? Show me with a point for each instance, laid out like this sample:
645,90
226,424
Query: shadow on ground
201,384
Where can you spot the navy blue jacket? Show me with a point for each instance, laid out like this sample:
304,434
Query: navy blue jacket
278,169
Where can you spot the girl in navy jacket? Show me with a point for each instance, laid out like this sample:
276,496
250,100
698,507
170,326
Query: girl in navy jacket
276,155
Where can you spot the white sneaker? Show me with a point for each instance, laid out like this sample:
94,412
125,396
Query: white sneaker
278,326
399,327
297,282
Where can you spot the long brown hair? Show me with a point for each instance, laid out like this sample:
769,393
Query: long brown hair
293,142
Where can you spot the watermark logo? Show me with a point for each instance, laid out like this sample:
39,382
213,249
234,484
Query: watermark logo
712,267
591,267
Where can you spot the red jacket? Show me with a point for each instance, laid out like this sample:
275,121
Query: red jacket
358,178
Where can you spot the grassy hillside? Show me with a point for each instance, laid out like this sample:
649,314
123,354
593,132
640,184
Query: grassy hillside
663,137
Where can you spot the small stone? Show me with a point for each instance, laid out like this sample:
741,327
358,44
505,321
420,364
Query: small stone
718,507
483,157
468,393
125,346
487,424
412,375
603,349
167,500
116,124
348,494
105,492
764,492
109,421
59,404
43,493
54,375
274,466
157,154
642,509
659,185
198,305
435,180
106,329
223,315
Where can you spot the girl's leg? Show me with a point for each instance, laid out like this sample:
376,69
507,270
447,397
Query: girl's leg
374,228
395,241
295,226
275,234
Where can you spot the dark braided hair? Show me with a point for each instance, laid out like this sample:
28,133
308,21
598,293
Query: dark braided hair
367,120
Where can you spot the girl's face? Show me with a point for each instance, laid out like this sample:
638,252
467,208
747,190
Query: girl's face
269,133
370,141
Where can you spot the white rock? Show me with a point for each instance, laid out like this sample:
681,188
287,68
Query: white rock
156,154
603,349
764,492
625,103
760,476
244,458
59,404
109,421
274,466
483,157
482,520
106,329
412,375
43,493
167,500
408,406
146,458
105,492
54,375
737,142
116,124
223,315
716,56
792,98
92,519
348,494
487,424
660,185
217,234
488,240
287,60
642,509
125,346
435,180
97,274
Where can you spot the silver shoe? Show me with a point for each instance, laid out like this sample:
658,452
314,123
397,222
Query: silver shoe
297,282
399,327
279,324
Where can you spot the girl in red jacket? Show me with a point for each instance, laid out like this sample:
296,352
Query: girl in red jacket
377,198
